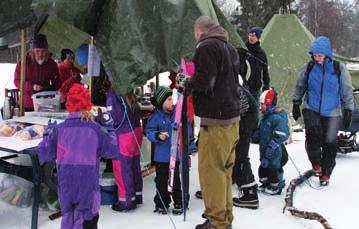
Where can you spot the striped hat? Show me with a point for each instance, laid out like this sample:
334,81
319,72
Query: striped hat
160,96
269,97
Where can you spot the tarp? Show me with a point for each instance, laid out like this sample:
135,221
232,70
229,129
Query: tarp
286,42
136,38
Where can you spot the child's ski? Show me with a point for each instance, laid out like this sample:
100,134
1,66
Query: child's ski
175,141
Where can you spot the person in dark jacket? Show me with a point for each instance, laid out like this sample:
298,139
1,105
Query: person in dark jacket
257,79
41,71
272,132
214,88
327,94
242,172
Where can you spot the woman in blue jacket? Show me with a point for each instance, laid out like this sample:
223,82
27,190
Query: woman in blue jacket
327,87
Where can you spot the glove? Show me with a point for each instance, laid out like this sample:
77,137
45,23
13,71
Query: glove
296,112
271,150
106,121
180,82
265,87
264,163
347,118
50,128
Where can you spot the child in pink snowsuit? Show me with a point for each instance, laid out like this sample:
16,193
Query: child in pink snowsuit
127,170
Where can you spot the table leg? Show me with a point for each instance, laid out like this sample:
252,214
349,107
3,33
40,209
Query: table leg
36,189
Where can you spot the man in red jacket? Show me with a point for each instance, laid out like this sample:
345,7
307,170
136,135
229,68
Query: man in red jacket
41,74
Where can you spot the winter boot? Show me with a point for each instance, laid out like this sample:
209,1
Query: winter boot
199,194
317,170
273,189
120,207
249,198
263,186
177,209
206,225
161,211
324,180
139,199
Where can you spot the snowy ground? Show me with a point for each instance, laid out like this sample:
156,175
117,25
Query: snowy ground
337,203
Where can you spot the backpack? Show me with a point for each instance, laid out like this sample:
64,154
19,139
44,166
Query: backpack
310,66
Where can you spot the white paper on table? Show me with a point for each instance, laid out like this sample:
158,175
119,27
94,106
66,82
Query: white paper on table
94,62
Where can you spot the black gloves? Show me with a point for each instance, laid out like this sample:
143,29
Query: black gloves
347,118
296,111
265,87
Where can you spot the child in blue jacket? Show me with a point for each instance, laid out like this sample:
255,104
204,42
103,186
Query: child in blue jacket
272,132
159,130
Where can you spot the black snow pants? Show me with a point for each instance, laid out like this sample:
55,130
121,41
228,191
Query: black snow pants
321,140
242,173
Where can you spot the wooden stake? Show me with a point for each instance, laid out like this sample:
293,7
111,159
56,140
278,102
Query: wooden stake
22,72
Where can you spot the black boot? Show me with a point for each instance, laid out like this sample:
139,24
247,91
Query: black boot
206,225
249,199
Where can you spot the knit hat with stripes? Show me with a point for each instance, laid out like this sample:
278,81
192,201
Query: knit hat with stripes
160,96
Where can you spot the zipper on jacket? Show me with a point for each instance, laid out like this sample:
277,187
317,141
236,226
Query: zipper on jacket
321,88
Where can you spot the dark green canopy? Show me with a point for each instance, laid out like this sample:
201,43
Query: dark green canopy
136,38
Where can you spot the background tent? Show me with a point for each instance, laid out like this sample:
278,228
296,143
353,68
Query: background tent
136,38
286,42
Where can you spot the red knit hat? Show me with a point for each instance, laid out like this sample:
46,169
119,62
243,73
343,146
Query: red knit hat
78,99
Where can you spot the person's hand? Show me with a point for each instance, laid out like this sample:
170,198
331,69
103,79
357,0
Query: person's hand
265,87
37,87
162,135
264,163
106,120
347,118
180,82
296,112
270,152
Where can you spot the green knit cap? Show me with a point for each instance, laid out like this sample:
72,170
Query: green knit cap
162,94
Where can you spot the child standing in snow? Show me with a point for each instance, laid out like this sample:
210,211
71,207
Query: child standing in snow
159,131
272,132
77,144
127,170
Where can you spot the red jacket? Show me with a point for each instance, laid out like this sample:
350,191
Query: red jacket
46,75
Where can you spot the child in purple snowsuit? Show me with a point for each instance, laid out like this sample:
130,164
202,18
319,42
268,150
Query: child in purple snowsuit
77,144
127,170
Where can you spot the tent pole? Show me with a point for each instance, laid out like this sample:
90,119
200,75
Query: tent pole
157,80
23,71
90,77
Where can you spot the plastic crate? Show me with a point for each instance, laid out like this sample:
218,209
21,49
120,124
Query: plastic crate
46,101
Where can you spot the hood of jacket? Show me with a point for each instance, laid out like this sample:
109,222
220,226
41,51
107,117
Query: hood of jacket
215,32
321,45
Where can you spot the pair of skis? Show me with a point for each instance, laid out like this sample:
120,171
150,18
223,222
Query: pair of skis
179,146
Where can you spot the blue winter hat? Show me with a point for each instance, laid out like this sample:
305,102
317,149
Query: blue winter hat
257,31
39,41
82,54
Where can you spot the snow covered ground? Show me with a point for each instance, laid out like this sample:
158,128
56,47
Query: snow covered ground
338,202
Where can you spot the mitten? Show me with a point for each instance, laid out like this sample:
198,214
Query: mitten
271,150
296,112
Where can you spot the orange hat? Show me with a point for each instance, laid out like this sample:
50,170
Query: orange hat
78,99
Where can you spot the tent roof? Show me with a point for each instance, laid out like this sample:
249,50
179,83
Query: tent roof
136,39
